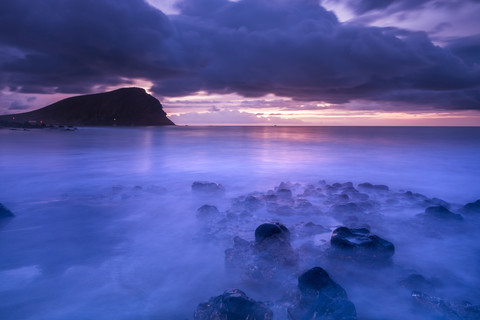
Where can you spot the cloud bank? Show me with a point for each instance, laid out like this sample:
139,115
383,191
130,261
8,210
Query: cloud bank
294,49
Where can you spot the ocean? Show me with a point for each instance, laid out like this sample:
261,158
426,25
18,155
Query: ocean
106,222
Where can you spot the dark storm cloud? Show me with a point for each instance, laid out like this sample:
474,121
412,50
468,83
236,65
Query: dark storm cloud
75,44
252,47
364,6
300,50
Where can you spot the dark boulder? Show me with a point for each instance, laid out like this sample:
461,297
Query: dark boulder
232,305
472,207
207,187
360,245
266,257
440,212
272,246
321,298
373,187
5,213
207,212
272,231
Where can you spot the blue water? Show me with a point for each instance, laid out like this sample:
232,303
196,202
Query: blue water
105,223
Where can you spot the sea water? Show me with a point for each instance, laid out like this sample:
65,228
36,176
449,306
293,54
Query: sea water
105,220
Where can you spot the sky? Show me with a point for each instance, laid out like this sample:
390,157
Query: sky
251,62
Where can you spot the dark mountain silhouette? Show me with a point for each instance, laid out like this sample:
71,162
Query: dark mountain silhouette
122,107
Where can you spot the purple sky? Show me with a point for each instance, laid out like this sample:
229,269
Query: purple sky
366,62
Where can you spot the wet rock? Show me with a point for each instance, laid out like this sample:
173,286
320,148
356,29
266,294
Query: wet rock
446,310
360,245
268,254
272,231
207,212
321,298
233,304
355,195
241,252
207,187
5,213
253,203
311,228
440,212
471,208
373,187
437,202
344,211
417,282
284,194
303,204
280,209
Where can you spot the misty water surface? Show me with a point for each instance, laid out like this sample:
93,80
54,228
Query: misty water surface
106,225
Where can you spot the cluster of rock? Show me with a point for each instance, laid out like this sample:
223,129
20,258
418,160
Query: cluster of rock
344,211
318,298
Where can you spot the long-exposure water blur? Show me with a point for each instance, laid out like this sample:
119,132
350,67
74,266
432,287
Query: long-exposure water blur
139,223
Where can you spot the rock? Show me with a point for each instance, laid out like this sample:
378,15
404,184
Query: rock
5,213
437,202
207,212
312,228
445,309
272,231
241,252
472,207
321,298
373,187
342,212
417,282
440,212
284,194
282,210
207,187
303,204
263,259
251,202
233,304
360,245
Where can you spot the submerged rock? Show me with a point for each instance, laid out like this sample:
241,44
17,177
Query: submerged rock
360,245
207,212
262,259
447,310
233,304
472,207
440,212
5,213
373,187
343,211
207,187
321,298
417,282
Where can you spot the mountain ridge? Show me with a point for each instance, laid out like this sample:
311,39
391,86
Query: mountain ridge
122,107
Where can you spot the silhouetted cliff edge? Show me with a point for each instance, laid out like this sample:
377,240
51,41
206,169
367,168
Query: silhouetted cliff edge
122,107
